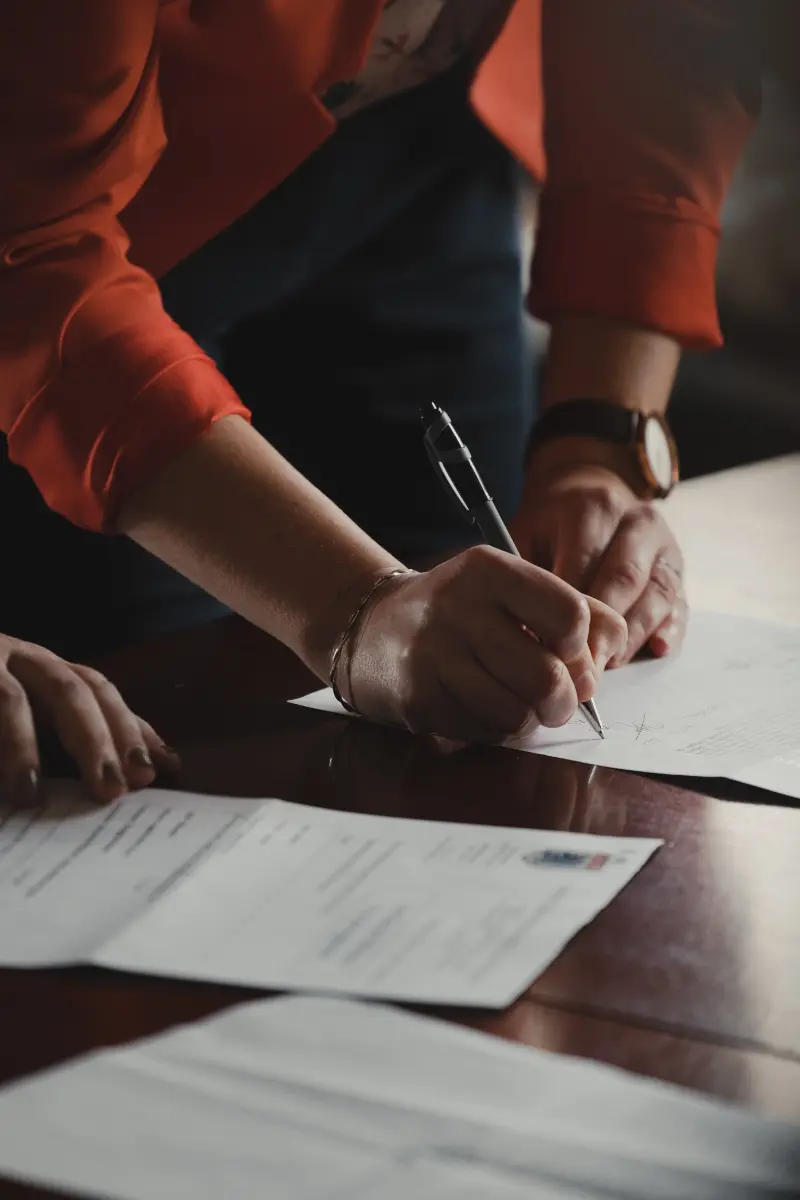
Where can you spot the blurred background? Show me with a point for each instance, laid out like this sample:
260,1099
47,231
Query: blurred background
741,404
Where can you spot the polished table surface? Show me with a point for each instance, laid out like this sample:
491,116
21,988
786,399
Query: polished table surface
691,975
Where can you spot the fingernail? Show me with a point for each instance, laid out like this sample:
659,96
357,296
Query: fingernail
138,757
585,686
112,776
26,786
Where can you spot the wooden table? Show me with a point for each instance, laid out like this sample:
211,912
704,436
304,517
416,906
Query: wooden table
691,975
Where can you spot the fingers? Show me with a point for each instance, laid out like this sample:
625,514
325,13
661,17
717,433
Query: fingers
556,613
68,703
469,705
475,649
653,609
624,570
539,681
133,753
19,754
165,760
584,531
114,750
608,634
669,636
640,577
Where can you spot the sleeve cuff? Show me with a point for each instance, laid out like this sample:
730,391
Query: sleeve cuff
649,261
86,469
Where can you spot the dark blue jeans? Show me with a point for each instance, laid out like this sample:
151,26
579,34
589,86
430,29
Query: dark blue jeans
385,270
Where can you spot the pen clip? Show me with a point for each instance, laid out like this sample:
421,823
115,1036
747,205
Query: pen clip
443,473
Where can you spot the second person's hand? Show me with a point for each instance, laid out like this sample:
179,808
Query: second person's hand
114,750
585,524
447,651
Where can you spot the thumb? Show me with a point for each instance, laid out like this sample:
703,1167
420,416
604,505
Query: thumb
583,531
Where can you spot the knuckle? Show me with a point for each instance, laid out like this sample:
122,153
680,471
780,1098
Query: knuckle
480,558
646,514
616,628
552,676
628,574
12,693
575,612
602,500
90,676
607,620
68,689
664,583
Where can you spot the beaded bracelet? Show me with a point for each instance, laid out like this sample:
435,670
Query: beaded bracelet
350,626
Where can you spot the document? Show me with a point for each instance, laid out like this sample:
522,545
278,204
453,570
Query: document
312,900
728,706
71,874
324,1099
279,895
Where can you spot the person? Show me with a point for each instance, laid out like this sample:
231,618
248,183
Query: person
240,240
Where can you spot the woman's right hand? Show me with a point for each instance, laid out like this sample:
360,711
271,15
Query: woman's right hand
448,651
114,750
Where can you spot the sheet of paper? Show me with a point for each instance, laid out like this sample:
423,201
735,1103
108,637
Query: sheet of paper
780,774
72,873
313,1099
322,901
728,705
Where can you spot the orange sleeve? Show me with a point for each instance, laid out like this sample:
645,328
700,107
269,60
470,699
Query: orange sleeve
648,105
98,387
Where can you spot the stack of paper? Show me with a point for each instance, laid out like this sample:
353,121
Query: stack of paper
728,706
283,896
308,1099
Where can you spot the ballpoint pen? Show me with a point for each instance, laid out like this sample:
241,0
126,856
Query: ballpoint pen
453,464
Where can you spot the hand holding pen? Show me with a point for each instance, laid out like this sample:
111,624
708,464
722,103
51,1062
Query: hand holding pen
446,651
453,463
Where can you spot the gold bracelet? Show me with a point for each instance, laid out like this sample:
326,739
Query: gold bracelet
350,626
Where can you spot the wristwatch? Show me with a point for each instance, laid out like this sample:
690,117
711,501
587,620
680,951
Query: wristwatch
646,437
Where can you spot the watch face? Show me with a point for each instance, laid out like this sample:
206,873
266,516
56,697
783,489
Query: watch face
658,452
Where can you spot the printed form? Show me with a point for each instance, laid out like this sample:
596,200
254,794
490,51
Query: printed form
283,896
320,1099
727,706
72,874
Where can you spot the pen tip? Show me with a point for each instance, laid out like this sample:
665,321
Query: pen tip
602,735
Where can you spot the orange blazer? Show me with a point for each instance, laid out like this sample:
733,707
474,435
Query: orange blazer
132,131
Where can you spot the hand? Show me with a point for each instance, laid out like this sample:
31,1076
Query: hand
448,651
585,524
114,749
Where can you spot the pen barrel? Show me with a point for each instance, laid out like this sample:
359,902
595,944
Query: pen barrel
491,525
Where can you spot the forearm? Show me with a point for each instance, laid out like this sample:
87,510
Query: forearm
594,358
233,516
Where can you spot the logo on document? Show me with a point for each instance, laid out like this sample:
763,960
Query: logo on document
566,858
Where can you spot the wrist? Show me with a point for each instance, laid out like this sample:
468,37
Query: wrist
339,667
323,633
550,461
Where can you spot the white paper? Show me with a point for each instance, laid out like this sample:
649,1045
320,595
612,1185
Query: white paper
311,1099
314,900
728,705
72,873
780,774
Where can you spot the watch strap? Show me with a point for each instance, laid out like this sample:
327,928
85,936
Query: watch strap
587,418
